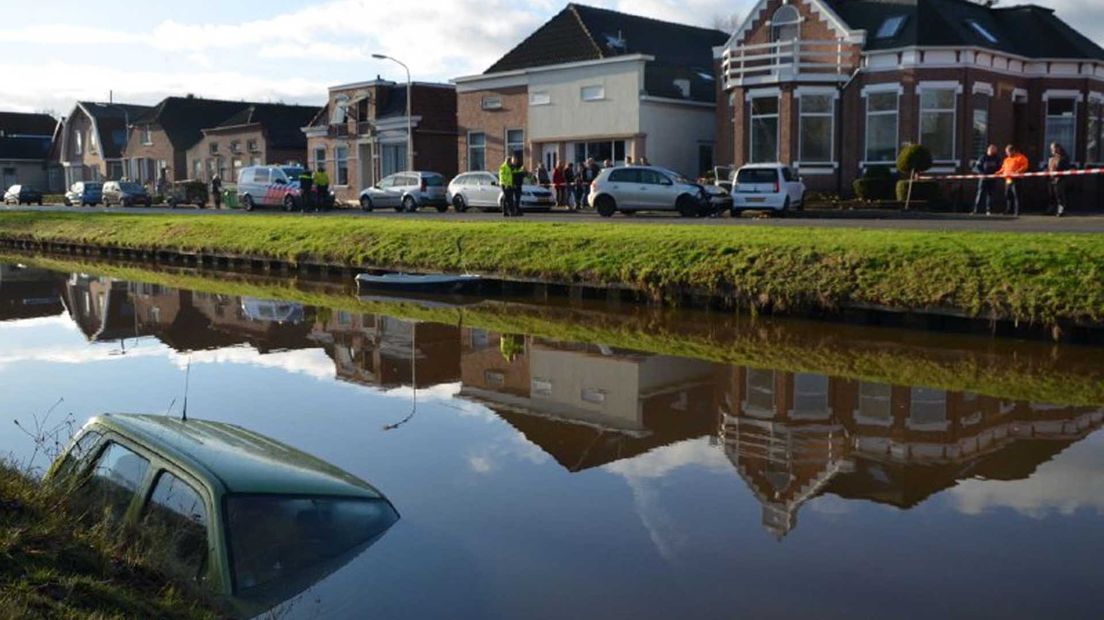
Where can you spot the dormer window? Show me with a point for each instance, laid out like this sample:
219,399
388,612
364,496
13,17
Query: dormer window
891,27
982,31
341,110
616,43
785,24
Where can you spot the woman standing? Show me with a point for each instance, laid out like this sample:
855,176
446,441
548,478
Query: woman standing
558,183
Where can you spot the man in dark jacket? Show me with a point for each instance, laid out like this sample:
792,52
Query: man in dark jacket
216,191
1058,162
989,163
306,190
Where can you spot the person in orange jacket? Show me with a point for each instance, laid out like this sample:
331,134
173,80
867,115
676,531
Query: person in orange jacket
1015,163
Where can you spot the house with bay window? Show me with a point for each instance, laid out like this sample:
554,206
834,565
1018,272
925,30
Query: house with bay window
360,136
835,86
595,83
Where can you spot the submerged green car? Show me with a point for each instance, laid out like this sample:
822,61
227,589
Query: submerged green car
250,517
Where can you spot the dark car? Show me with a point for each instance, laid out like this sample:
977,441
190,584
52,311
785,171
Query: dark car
84,194
125,194
22,194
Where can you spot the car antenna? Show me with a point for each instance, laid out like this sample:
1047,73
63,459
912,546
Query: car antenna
413,380
187,380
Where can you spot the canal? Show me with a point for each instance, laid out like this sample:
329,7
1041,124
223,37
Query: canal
572,459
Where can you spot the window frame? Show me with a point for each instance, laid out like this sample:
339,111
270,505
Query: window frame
514,147
752,117
956,91
480,148
867,114
598,89
830,114
341,166
540,98
1049,118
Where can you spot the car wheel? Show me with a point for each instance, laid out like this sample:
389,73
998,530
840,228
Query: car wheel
366,204
458,204
39,203
734,212
801,205
785,208
289,203
247,203
605,206
409,205
172,203
686,206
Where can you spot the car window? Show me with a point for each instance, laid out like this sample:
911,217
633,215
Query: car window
272,537
261,175
625,175
177,518
652,177
433,180
91,187
116,477
132,187
74,460
788,174
757,175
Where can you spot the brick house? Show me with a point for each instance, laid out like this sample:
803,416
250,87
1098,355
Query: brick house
360,136
93,137
834,86
262,133
595,83
28,145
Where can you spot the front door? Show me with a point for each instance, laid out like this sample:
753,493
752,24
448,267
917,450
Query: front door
550,154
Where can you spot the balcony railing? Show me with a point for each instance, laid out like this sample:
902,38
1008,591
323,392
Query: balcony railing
789,60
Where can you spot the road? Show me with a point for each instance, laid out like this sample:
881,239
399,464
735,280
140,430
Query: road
1093,223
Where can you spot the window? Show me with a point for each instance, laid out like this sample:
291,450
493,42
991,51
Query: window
116,478
492,102
177,517
515,143
541,387
785,28
937,122
78,142
341,164
759,393
891,27
631,175
810,400
594,396
320,158
705,158
252,146
979,126
147,135
392,158
341,110
981,30
1061,121
262,176
875,404
81,450
818,122
613,150
764,129
1095,133
235,146
213,147
477,151
592,93
881,127
197,169
928,410
540,98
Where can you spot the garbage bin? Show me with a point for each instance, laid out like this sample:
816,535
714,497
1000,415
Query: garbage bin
230,198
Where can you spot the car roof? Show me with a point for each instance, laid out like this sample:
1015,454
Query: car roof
763,166
242,460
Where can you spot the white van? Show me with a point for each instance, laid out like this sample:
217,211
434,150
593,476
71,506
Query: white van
269,186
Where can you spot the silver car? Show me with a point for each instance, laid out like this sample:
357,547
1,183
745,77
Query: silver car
406,191
480,190
648,188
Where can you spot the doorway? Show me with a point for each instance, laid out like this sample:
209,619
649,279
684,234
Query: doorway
550,155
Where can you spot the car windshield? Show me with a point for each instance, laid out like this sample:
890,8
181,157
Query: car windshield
433,180
93,187
131,187
757,176
275,536
292,173
676,177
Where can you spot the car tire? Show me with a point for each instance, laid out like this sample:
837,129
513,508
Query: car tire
785,210
605,206
366,204
289,203
686,206
801,206
247,203
458,204
408,205
39,203
172,203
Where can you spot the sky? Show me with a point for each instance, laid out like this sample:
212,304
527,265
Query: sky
278,50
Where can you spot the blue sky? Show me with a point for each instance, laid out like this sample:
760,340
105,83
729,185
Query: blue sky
280,50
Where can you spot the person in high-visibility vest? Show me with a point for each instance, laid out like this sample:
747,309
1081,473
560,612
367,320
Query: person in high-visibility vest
506,182
322,187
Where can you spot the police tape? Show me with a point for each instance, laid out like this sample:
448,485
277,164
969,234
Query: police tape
1022,175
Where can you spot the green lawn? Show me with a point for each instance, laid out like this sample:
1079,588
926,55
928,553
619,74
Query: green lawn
1029,278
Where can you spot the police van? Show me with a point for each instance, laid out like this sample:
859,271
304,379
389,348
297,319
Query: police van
269,186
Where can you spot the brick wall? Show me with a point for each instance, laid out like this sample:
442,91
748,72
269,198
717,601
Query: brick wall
161,149
471,117
223,138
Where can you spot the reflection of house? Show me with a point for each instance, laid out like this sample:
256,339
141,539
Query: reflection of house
248,321
27,293
101,308
795,436
588,405
169,315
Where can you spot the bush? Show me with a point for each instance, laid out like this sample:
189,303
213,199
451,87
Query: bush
922,191
876,184
55,199
914,158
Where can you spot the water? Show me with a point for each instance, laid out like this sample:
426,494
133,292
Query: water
611,462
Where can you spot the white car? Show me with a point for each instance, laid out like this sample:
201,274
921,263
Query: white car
771,187
406,191
647,188
480,190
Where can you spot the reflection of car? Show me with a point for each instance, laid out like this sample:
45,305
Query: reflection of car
480,190
406,191
269,186
251,517
84,193
767,186
271,311
126,194
22,194
647,188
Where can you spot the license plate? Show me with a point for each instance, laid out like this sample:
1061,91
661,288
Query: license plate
760,199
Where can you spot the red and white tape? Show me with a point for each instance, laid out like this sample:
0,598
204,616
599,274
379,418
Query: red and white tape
1022,175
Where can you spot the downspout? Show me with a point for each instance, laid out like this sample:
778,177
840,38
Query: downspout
839,128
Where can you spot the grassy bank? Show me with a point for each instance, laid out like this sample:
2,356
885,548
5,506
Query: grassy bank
1029,278
1014,370
51,566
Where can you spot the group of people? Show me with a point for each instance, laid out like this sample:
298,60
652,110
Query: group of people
568,182
1010,167
314,189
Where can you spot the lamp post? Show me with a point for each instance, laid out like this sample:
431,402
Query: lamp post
409,122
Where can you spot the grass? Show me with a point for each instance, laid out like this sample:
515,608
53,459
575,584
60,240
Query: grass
55,565
1043,279
1022,371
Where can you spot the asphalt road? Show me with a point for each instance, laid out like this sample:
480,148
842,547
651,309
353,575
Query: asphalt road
1091,223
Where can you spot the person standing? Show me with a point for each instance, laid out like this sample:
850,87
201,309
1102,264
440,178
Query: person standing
580,186
988,164
1058,162
644,161
506,182
608,163
322,187
1015,164
569,185
216,191
306,185
558,183
517,180
542,177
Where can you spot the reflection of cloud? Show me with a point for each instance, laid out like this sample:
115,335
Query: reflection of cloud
1072,482
62,320
311,362
830,505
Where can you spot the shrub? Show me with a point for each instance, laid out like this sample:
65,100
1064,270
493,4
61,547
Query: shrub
53,199
876,184
914,158
922,191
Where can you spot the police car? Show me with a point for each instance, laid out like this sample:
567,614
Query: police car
269,186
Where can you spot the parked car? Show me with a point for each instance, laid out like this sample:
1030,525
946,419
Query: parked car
84,194
252,518
269,186
480,190
647,188
187,192
771,187
22,194
125,194
406,191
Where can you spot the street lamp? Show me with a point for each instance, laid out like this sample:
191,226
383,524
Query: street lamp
409,122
